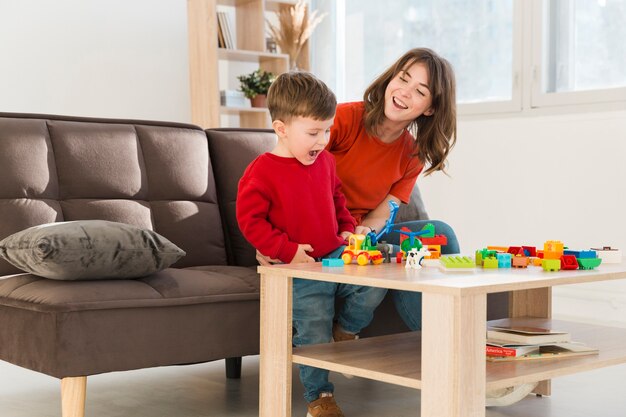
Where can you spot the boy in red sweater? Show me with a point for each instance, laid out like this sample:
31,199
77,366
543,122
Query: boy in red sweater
290,207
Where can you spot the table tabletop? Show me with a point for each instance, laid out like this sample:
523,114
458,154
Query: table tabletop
430,279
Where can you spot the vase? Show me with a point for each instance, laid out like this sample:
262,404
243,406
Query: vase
260,100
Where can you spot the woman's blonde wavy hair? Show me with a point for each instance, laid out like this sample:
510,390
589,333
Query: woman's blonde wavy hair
434,135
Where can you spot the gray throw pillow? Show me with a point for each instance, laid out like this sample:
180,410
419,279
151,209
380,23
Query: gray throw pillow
89,249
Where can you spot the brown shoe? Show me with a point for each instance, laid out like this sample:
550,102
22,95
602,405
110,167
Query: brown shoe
339,334
325,406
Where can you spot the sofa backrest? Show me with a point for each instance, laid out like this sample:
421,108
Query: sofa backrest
231,151
152,175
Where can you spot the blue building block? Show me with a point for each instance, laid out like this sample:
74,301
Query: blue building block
332,262
587,254
504,260
576,253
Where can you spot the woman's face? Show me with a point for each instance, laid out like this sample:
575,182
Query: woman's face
407,95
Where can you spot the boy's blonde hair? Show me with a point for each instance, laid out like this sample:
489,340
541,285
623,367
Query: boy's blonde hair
300,94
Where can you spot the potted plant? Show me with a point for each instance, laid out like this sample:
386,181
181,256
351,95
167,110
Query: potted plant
255,86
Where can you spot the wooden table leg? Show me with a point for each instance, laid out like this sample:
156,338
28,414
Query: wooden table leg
453,355
275,359
533,303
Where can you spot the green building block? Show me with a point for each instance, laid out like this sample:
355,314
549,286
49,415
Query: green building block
588,263
430,228
479,258
490,262
457,262
551,264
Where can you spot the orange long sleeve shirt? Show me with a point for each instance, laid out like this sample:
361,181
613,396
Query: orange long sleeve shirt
370,169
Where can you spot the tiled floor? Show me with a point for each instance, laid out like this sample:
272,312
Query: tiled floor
202,390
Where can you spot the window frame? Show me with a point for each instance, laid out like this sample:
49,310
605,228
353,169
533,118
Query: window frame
538,69
527,77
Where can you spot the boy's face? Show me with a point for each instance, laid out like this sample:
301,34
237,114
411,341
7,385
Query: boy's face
303,138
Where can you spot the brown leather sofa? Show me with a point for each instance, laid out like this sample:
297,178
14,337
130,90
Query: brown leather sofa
175,179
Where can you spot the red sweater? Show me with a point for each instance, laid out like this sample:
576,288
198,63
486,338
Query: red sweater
282,203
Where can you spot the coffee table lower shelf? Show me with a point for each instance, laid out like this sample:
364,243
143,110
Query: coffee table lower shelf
396,359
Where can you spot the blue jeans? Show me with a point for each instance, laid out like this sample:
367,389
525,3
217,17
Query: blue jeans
313,313
409,303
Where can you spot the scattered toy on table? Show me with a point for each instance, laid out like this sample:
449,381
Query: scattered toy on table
332,262
415,257
456,263
554,257
609,255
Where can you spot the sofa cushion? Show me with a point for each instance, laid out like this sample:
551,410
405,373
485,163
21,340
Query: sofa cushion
231,151
89,249
176,316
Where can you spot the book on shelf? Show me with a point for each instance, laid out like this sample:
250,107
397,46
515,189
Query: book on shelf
526,335
500,349
224,27
549,351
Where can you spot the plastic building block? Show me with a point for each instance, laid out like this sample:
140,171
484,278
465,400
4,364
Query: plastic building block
504,260
576,253
536,261
435,251
520,261
479,258
609,255
587,254
498,248
333,262
588,263
440,240
529,250
551,264
569,262
553,249
516,250
490,263
457,262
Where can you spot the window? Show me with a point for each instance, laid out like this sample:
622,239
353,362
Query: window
580,49
572,51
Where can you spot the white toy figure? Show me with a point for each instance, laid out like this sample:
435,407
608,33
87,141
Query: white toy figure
414,258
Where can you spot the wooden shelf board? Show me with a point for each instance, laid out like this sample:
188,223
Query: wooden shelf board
237,110
396,358
274,5
249,56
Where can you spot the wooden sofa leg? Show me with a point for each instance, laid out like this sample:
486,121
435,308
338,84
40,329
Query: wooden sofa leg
73,393
233,368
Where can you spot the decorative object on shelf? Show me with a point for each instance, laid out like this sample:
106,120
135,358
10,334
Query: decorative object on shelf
270,45
233,98
294,29
255,86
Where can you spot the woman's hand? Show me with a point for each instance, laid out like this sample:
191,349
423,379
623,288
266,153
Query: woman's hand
265,260
362,230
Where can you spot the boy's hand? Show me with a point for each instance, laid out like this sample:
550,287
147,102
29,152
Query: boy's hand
301,255
345,235
265,260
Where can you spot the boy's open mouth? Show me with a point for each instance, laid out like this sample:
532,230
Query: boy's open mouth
314,154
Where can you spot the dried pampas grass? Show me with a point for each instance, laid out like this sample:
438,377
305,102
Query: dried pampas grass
294,28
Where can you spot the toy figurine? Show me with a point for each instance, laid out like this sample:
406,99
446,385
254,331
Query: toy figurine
415,257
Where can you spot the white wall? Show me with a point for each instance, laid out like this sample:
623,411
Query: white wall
528,179
103,58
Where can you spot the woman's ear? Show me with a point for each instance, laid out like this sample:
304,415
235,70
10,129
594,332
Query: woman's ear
429,112
279,128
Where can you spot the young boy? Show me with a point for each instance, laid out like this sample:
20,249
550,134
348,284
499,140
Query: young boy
290,207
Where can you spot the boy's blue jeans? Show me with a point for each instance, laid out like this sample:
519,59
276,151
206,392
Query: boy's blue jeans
409,303
313,313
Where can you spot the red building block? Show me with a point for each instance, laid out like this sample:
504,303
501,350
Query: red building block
569,262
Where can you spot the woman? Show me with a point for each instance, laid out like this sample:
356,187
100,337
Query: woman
406,121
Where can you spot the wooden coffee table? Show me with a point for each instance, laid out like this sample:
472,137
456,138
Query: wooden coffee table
454,375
